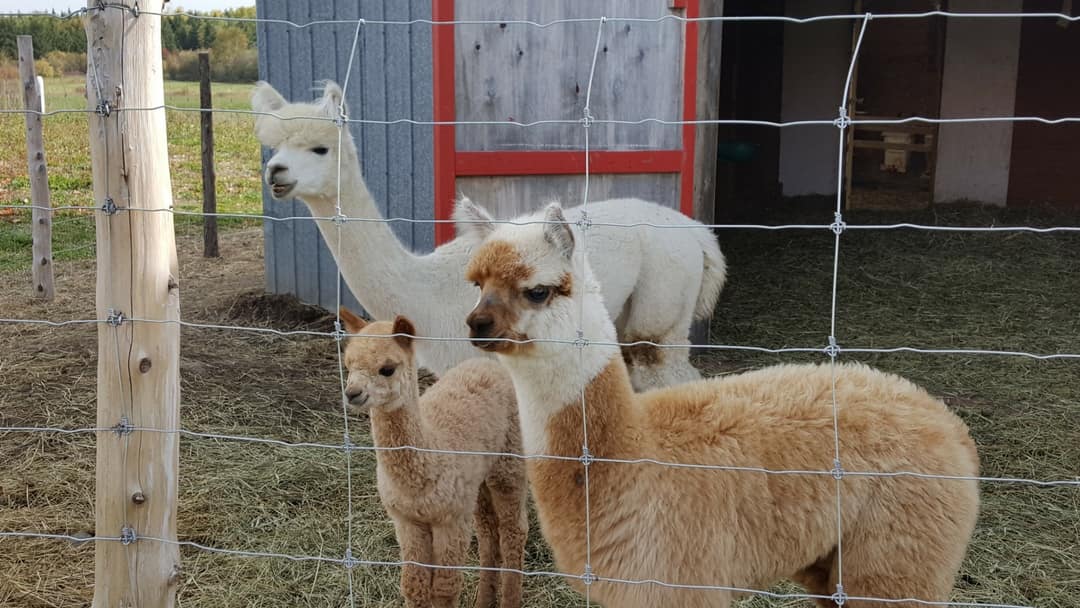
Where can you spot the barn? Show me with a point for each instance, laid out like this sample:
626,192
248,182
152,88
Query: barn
495,77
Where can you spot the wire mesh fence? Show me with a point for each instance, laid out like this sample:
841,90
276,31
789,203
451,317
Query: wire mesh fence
831,348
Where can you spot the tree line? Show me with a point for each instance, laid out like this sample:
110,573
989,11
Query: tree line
180,31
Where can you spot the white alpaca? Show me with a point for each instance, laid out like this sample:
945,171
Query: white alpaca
902,536
655,281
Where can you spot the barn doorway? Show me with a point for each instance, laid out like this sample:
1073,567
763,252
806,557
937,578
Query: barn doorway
898,75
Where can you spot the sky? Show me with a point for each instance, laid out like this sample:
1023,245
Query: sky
11,6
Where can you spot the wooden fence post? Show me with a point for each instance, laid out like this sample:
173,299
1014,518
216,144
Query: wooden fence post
209,178
41,214
138,294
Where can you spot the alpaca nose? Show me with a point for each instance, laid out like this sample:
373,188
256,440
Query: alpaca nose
481,324
273,172
356,396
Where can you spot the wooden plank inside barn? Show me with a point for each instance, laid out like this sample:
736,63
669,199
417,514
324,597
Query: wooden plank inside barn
517,72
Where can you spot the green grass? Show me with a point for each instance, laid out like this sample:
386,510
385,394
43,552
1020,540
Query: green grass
67,152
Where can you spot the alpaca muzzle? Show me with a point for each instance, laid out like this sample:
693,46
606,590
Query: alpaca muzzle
276,178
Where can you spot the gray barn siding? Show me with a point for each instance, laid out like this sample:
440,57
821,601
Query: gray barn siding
391,79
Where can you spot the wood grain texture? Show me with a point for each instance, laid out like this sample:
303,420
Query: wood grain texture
41,215
509,196
209,176
138,362
524,73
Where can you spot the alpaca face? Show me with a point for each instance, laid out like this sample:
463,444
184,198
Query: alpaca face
525,276
380,367
304,139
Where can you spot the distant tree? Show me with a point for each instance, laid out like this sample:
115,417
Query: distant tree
180,30
229,41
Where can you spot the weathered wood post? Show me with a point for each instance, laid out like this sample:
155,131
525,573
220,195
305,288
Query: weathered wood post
138,294
209,178
41,214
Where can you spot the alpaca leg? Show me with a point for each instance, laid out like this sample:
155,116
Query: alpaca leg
652,316
511,509
487,540
450,543
415,541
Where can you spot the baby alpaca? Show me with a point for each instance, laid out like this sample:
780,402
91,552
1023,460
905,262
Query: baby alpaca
431,496
900,537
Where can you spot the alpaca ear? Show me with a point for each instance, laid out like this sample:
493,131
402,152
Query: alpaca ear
472,220
265,98
402,325
557,231
353,322
331,98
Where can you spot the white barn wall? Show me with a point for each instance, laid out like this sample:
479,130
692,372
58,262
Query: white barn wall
979,80
816,57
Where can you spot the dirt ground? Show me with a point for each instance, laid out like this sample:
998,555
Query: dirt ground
897,288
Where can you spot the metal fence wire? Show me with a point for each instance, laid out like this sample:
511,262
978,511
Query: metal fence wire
831,348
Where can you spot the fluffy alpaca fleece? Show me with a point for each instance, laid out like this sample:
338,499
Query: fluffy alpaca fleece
903,537
432,496
655,281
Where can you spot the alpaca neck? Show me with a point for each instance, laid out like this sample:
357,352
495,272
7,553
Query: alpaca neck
379,271
610,430
550,380
401,427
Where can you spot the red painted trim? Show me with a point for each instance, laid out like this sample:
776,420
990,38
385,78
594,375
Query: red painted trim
450,163
568,162
690,61
442,45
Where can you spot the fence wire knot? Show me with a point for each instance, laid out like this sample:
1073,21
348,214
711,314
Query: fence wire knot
114,317
839,597
128,535
839,225
339,331
347,442
837,470
135,9
586,117
586,456
833,349
842,121
584,222
588,577
109,207
580,341
124,427
350,562
104,109
339,218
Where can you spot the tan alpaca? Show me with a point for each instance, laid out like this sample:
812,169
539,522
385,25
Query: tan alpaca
432,496
903,537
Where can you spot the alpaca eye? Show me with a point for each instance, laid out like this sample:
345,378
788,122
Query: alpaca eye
387,370
538,294
320,150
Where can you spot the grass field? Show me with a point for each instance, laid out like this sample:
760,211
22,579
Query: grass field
67,151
